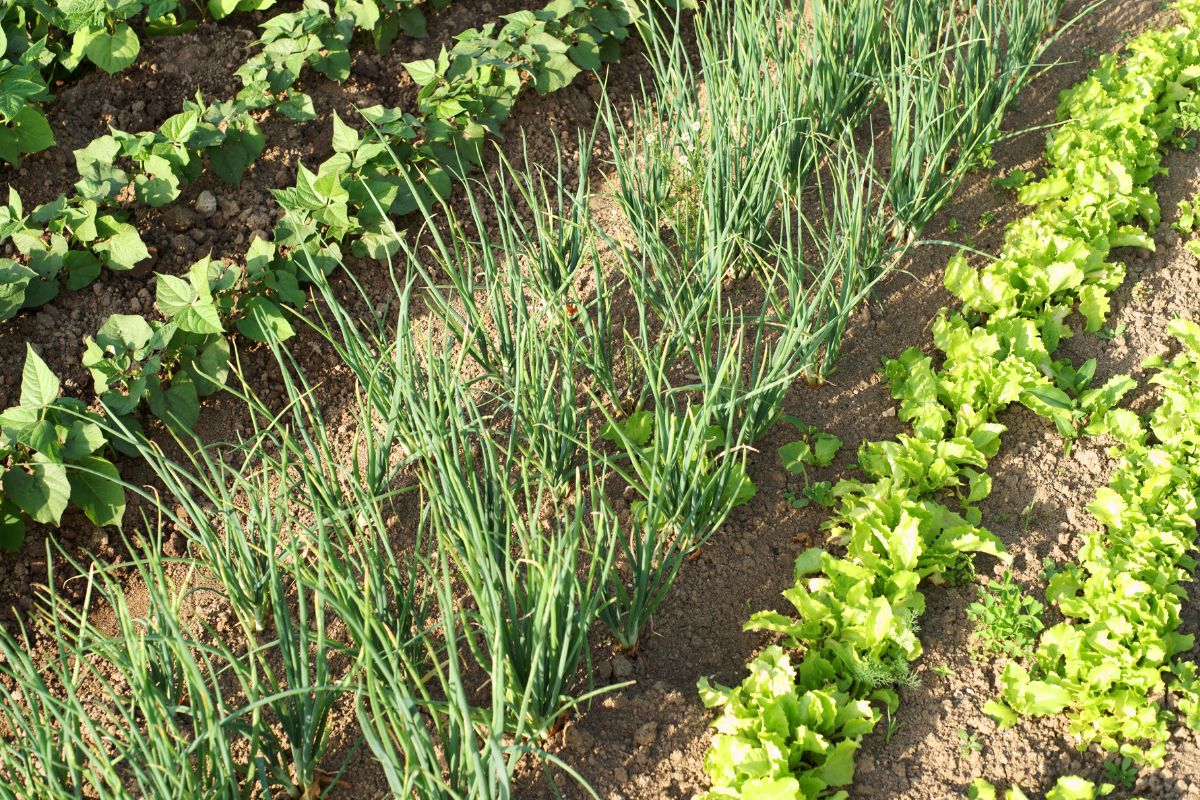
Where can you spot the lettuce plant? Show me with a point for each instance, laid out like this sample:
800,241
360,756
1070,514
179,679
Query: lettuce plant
1069,787
860,611
1106,666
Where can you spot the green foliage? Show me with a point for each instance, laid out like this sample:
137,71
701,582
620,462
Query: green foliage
859,608
775,738
1185,218
687,479
1013,180
64,243
171,364
814,449
952,70
53,453
968,743
1122,771
1186,222
1070,787
1122,603
1007,621
23,63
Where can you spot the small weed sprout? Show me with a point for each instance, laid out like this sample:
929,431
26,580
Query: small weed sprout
1007,621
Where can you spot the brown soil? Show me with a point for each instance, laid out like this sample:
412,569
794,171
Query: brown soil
648,740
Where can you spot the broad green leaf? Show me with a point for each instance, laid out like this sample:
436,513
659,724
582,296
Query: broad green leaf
981,790
12,526
185,305
555,72
264,321
83,439
210,367
1186,332
160,185
40,488
809,562
1072,787
825,447
96,488
739,489
838,769
178,405
14,278
39,385
241,147
27,132
113,52
637,428
795,455
124,248
422,72
1042,698
345,138
1003,716
1094,305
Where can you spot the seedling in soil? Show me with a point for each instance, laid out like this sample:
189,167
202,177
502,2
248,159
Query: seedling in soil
813,449
1050,568
1013,180
968,743
1122,771
1027,516
818,492
1188,210
960,573
892,728
1006,620
1108,334
944,671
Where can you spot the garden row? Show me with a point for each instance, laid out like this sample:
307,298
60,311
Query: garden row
657,401
41,42
405,161
793,726
67,242
400,163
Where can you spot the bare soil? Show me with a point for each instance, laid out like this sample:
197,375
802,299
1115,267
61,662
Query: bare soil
648,740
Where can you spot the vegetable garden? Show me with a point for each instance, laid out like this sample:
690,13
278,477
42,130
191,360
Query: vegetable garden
611,398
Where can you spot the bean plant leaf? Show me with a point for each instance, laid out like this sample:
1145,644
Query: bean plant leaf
39,385
27,132
113,52
96,489
264,321
40,488
12,526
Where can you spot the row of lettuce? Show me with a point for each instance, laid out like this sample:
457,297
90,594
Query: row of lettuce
1069,787
656,403
400,163
1109,666
513,480
43,42
792,728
